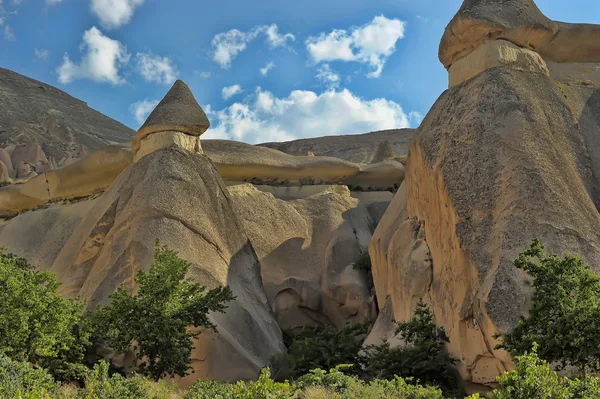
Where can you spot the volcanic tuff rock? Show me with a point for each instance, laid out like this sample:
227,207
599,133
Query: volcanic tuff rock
507,155
64,126
358,148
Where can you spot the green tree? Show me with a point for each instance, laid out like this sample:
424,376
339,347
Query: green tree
21,380
37,325
424,357
565,305
156,322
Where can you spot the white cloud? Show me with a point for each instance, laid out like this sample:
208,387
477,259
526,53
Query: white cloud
227,45
264,71
115,13
53,2
422,18
101,61
42,54
328,76
203,75
142,109
415,118
302,114
9,34
154,68
231,91
370,44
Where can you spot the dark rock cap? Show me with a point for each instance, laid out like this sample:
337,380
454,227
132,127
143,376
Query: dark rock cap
522,23
178,111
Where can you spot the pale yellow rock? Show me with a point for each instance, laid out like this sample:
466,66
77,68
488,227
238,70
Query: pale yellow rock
579,73
156,141
495,53
178,197
30,153
307,248
5,159
13,202
92,174
4,174
380,175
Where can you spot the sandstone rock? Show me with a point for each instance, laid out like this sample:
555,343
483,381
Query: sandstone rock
12,202
379,175
522,23
160,140
25,171
178,197
178,111
30,153
92,174
307,248
384,327
384,152
5,159
493,54
506,156
4,174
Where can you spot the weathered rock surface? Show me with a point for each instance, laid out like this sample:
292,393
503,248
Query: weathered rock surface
307,248
522,23
385,151
358,148
179,197
33,111
500,159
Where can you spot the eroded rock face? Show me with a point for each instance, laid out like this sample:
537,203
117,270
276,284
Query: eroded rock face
307,248
504,157
178,197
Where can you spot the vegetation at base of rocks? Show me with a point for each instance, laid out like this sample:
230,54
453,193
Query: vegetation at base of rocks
363,263
321,348
423,357
37,325
565,302
155,322
4,183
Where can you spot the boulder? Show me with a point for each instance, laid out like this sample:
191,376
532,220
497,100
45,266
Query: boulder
176,196
385,151
30,153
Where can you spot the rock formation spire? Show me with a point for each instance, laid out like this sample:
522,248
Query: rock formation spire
177,115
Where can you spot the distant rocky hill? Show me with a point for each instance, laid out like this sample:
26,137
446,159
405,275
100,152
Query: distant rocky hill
42,127
359,148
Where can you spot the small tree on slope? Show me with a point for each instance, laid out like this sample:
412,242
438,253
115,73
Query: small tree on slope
156,322
563,319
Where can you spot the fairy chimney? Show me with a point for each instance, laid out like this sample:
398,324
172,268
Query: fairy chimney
176,120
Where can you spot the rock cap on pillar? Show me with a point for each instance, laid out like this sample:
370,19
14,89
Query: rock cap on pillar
178,111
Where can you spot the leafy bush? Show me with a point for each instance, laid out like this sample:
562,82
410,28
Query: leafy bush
37,325
20,380
424,357
325,348
155,322
99,385
566,298
263,388
534,379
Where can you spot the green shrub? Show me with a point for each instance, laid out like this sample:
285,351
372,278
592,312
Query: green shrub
37,325
99,385
325,348
565,299
155,322
424,357
263,388
20,380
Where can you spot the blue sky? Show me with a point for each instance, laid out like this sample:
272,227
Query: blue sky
328,66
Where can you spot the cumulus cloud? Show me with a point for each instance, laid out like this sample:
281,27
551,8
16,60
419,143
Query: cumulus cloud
42,54
9,34
328,76
369,44
302,114
115,13
227,45
101,62
53,2
158,69
264,71
231,91
415,118
141,109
